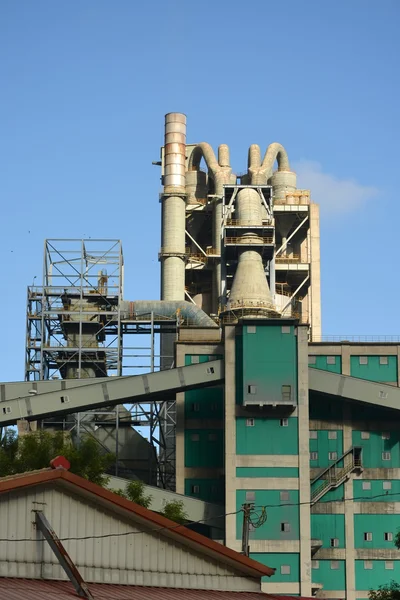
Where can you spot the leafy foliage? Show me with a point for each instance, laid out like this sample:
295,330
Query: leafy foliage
174,511
389,591
397,540
134,491
35,450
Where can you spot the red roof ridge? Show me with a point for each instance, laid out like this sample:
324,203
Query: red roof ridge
47,475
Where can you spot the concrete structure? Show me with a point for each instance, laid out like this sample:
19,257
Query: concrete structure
270,414
309,431
203,211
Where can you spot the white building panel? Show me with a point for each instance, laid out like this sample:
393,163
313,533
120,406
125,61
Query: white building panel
135,555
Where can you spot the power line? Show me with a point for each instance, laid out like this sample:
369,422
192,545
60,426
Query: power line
262,507
125,533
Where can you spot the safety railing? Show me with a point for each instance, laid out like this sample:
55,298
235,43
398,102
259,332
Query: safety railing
246,223
293,258
333,476
256,240
358,338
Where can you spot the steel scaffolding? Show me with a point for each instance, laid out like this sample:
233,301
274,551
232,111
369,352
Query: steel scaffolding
75,330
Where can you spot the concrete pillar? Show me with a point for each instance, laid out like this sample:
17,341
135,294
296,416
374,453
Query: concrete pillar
304,463
315,273
349,511
230,436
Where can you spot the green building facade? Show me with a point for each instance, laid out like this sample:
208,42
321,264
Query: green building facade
324,469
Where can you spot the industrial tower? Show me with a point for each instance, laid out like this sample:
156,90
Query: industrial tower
249,405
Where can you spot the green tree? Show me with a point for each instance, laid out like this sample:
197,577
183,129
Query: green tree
174,511
389,591
397,540
35,450
134,491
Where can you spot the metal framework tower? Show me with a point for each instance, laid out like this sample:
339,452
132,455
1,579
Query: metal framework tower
76,329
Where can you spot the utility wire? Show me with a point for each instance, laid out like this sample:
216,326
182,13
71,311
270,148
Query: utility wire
125,533
262,507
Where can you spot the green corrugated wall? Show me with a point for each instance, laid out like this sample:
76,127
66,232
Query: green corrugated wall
267,436
374,371
266,358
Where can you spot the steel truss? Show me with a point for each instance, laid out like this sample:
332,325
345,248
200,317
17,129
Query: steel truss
75,330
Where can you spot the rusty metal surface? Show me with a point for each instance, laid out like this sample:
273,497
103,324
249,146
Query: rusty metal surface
62,555
36,589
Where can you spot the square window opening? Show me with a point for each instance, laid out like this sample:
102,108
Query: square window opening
285,527
312,360
368,564
195,489
195,407
365,435
387,485
195,437
286,393
332,435
249,422
285,569
284,496
388,536
386,435
331,360
251,329
284,422
368,536
386,456
285,328
334,542
313,455
363,360
315,564
366,485
332,456
389,565
250,496
313,435
334,565
195,360
212,437
252,389
383,360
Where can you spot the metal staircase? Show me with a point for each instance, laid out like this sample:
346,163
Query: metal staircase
337,473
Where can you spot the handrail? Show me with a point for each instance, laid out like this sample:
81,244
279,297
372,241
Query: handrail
243,240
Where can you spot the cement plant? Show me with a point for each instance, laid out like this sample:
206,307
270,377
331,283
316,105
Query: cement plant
223,392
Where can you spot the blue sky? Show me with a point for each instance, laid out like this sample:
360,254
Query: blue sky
86,84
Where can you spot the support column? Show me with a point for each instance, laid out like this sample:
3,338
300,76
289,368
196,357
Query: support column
349,510
304,463
230,436
315,287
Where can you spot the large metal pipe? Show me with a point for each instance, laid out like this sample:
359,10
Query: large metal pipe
261,172
173,209
221,173
189,311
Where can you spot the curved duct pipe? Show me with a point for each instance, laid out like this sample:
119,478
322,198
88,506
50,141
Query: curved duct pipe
221,171
173,208
261,172
188,310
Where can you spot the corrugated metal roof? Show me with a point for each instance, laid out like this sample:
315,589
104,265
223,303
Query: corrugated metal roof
180,533
38,589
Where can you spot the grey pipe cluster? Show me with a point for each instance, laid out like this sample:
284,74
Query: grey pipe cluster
221,172
162,308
